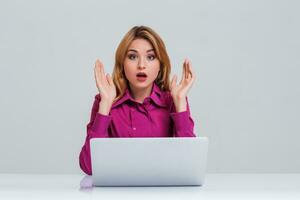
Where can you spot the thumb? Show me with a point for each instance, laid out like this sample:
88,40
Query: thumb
174,81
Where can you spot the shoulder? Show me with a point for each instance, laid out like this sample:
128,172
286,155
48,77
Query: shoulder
167,96
169,102
167,99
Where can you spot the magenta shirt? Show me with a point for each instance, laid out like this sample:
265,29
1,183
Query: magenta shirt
155,117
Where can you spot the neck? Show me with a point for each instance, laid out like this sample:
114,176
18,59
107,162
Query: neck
140,94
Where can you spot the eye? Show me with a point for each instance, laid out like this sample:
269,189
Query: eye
131,56
151,57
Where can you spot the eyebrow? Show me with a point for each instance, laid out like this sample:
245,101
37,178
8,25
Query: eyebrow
137,51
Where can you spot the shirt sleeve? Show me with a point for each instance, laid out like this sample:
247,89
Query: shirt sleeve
183,124
96,128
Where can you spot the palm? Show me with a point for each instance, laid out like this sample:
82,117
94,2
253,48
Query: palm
188,76
104,82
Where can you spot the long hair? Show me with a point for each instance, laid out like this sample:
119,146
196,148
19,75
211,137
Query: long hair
141,32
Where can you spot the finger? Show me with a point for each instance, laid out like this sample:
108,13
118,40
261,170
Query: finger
98,82
192,71
183,71
98,77
109,79
192,76
101,67
189,70
186,68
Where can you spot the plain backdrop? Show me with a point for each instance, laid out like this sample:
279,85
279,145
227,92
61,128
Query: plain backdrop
245,99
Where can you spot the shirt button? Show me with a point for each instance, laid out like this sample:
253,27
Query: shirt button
134,128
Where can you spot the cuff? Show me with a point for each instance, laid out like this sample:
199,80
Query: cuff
180,120
101,123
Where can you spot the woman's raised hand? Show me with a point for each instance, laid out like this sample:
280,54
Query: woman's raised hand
179,92
104,83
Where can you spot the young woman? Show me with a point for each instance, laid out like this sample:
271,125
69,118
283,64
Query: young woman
139,100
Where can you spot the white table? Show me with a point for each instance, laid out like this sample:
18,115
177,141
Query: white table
217,186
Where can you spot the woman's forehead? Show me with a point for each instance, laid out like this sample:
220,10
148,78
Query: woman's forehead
140,45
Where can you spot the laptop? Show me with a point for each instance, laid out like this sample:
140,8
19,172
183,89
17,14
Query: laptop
161,161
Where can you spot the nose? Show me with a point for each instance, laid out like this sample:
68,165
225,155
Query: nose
142,63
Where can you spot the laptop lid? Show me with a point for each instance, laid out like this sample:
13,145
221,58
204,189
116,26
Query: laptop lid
148,161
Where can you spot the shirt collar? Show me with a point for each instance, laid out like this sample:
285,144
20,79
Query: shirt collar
156,95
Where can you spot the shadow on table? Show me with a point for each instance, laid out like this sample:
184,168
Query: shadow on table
86,184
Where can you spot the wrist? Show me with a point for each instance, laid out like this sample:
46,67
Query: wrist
104,107
180,108
180,104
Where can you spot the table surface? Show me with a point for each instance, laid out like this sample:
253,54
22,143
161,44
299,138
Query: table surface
217,186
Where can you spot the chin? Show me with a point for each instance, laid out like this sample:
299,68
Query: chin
142,85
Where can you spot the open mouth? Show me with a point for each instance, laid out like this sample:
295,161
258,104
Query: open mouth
141,76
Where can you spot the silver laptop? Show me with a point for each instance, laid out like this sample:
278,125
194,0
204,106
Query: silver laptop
161,161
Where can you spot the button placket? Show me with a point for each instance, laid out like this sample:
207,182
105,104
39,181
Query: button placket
133,126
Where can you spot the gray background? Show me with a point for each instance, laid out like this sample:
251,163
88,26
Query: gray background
245,53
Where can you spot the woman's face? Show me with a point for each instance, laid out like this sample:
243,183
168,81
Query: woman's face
141,66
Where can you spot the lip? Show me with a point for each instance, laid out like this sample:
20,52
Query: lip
141,78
